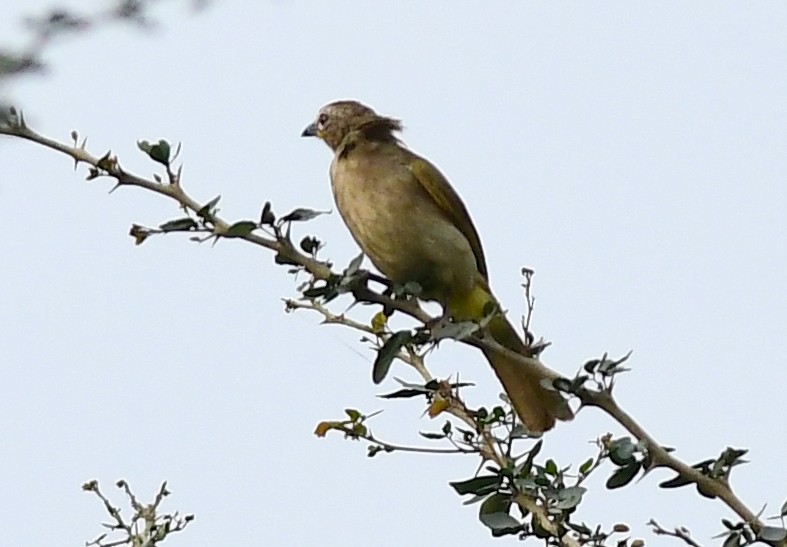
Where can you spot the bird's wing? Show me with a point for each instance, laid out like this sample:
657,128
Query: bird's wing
438,187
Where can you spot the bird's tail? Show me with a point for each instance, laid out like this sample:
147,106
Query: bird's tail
536,406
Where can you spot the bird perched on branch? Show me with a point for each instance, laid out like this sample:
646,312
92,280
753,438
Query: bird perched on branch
413,226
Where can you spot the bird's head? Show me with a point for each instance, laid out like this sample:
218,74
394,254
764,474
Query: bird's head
340,118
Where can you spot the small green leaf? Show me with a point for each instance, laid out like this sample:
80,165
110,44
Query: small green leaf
353,414
621,451
434,385
542,480
623,476
496,503
526,484
521,431
93,173
585,467
591,365
387,353
704,465
772,534
431,436
493,513
562,384
160,152
606,366
570,497
316,292
474,499
578,382
405,394
731,455
330,295
157,152
354,265
676,482
500,523
267,216
551,467
301,214
139,233
241,229
485,484
310,244
179,225
733,540
533,452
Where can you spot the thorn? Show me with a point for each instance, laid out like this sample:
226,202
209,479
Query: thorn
645,474
115,187
84,143
22,122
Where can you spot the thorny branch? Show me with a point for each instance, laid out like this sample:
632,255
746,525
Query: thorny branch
660,457
287,253
145,528
680,533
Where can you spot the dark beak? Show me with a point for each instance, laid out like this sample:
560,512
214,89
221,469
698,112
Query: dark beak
310,131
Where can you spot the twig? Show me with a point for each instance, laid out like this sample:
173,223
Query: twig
662,458
680,533
389,447
146,528
173,191
409,357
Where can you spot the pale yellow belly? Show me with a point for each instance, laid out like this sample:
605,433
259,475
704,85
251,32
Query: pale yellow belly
403,232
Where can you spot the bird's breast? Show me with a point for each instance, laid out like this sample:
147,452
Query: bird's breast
399,226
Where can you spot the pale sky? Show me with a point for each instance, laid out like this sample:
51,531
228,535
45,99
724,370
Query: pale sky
633,154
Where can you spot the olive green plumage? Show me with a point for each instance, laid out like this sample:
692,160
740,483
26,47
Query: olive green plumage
413,226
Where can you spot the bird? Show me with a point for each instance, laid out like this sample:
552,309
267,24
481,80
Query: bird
413,226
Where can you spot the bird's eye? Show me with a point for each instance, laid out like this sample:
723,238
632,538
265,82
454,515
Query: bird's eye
322,119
